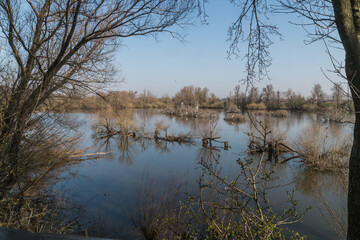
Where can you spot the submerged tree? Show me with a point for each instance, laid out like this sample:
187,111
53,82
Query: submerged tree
336,22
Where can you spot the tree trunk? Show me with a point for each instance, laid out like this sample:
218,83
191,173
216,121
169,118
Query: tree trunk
347,18
354,178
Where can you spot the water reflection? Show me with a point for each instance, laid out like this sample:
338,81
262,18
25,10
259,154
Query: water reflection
164,158
330,192
126,134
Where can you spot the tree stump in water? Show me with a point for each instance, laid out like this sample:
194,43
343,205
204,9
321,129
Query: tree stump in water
204,142
226,145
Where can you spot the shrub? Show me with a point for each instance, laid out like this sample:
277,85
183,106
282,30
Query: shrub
323,150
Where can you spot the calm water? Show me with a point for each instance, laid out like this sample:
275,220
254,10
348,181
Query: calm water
108,186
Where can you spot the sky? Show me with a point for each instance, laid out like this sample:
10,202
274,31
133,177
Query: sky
165,65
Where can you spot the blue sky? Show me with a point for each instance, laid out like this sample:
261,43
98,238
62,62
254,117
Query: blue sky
166,65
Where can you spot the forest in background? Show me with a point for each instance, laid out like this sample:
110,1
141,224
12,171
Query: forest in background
255,98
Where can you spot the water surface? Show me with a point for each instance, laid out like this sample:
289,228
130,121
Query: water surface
108,186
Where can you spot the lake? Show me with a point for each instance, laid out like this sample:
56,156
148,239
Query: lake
108,186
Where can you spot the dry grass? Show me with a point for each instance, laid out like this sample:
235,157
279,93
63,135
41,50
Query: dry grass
256,106
323,150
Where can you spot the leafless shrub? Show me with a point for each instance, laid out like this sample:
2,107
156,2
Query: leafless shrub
123,126
322,150
27,199
236,208
338,115
224,208
263,137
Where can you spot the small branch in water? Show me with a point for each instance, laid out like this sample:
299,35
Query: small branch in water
90,154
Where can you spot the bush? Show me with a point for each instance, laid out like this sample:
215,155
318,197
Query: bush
323,150
223,208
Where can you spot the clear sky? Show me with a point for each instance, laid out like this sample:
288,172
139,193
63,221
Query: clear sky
166,65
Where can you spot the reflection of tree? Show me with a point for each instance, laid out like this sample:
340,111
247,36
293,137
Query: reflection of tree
120,124
208,154
121,129
329,189
128,147
162,146
195,124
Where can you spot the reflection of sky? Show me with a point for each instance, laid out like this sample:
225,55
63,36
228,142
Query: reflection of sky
120,178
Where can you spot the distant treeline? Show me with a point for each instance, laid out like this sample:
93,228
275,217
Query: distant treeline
253,99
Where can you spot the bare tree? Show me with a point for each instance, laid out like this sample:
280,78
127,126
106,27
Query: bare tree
294,100
269,96
336,23
201,95
237,95
58,46
254,95
317,94
278,99
185,96
337,94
